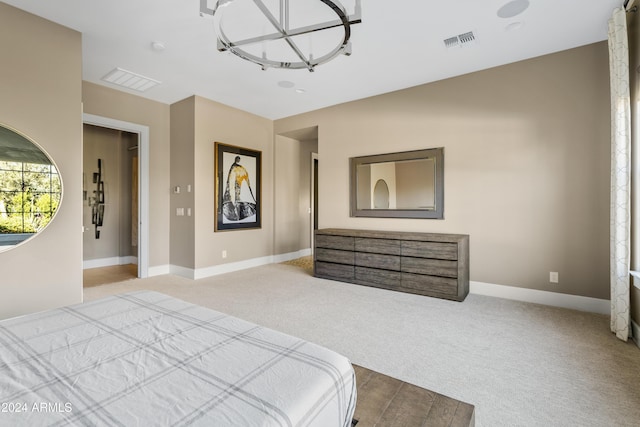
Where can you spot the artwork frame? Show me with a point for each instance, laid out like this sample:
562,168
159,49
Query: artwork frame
238,187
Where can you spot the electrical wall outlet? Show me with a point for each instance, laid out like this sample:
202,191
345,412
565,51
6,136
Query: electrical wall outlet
553,276
224,253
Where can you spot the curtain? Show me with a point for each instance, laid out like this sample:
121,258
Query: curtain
620,174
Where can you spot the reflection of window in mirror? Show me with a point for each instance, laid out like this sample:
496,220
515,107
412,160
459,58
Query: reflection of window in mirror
30,189
386,172
381,195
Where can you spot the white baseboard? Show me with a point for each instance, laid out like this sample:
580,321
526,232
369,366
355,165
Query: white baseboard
230,267
291,255
159,270
575,302
178,270
108,262
555,299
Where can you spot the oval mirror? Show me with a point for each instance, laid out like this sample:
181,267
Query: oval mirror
30,189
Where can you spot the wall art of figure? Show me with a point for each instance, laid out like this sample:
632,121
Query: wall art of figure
237,187
234,207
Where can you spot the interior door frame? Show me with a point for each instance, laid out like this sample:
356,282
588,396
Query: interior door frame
314,158
143,181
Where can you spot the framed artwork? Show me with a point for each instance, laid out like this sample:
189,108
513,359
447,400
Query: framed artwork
238,187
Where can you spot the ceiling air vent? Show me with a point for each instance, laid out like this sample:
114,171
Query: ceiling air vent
129,80
467,37
460,40
451,42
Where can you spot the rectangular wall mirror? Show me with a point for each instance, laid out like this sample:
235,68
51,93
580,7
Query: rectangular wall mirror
409,184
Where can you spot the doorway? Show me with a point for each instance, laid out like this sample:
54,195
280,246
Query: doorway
123,176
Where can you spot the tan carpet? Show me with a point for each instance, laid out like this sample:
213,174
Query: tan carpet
306,263
520,364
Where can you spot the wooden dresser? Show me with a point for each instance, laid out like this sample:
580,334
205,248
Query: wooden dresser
429,264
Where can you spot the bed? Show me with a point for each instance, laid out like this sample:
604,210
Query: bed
145,358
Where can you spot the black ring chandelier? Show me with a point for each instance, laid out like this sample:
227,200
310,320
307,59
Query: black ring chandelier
279,44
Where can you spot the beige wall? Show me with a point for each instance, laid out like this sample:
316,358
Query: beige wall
196,124
40,85
286,194
218,122
307,147
526,165
292,194
192,126
182,175
635,303
106,102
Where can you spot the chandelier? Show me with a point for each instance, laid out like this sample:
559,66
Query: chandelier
297,34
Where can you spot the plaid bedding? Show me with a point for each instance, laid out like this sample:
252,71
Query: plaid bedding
144,358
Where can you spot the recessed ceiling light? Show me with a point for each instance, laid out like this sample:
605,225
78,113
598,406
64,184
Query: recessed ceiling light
286,84
299,90
158,46
514,26
513,8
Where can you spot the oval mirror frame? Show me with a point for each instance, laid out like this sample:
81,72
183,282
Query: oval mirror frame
31,188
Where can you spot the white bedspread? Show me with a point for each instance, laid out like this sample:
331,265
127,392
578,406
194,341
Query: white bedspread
145,358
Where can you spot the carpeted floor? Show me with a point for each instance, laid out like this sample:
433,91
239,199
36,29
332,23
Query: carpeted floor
520,364
103,275
306,263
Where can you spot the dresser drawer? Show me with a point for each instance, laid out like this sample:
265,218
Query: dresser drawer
377,246
372,276
439,285
334,255
335,271
385,262
435,250
433,267
344,243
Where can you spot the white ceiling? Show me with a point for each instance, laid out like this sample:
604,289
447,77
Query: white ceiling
399,44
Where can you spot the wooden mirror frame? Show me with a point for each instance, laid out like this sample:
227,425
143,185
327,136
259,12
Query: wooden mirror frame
435,153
